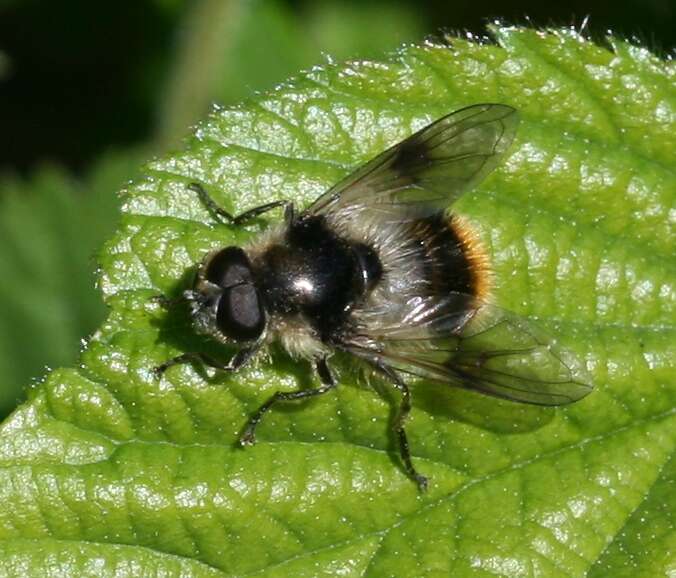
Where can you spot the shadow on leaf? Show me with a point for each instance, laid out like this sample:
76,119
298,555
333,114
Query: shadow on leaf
489,413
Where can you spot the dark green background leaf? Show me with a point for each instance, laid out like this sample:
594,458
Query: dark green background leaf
50,228
106,470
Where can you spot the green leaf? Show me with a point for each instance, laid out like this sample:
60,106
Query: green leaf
261,42
51,225
109,472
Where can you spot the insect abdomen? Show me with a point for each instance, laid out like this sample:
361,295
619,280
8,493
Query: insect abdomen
449,261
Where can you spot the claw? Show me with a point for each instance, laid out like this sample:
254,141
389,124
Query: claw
422,482
248,438
159,370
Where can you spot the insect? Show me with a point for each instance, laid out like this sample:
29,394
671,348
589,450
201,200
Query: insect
377,268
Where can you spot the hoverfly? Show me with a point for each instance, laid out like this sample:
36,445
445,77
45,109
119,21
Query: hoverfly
377,268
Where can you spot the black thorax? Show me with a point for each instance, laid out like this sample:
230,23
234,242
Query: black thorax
317,274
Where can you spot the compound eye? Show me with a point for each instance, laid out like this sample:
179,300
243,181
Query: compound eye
228,267
240,315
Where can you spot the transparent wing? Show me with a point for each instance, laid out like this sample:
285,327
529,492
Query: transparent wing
431,168
483,348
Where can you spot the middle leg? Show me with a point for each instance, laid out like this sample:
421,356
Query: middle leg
248,437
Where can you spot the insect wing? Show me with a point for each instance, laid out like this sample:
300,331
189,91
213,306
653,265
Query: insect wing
431,168
483,348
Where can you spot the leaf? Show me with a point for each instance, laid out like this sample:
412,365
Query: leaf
50,228
228,50
108,472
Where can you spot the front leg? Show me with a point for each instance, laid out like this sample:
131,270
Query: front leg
171,302
248,437
237,361
228,218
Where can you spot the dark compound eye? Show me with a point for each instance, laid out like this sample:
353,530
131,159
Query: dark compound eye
240,315
229,267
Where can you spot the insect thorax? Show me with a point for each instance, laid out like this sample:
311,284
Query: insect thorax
315,274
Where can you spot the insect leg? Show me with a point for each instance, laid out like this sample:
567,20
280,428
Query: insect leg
170,302
166,302
248,437
399,422
221,213
237,361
